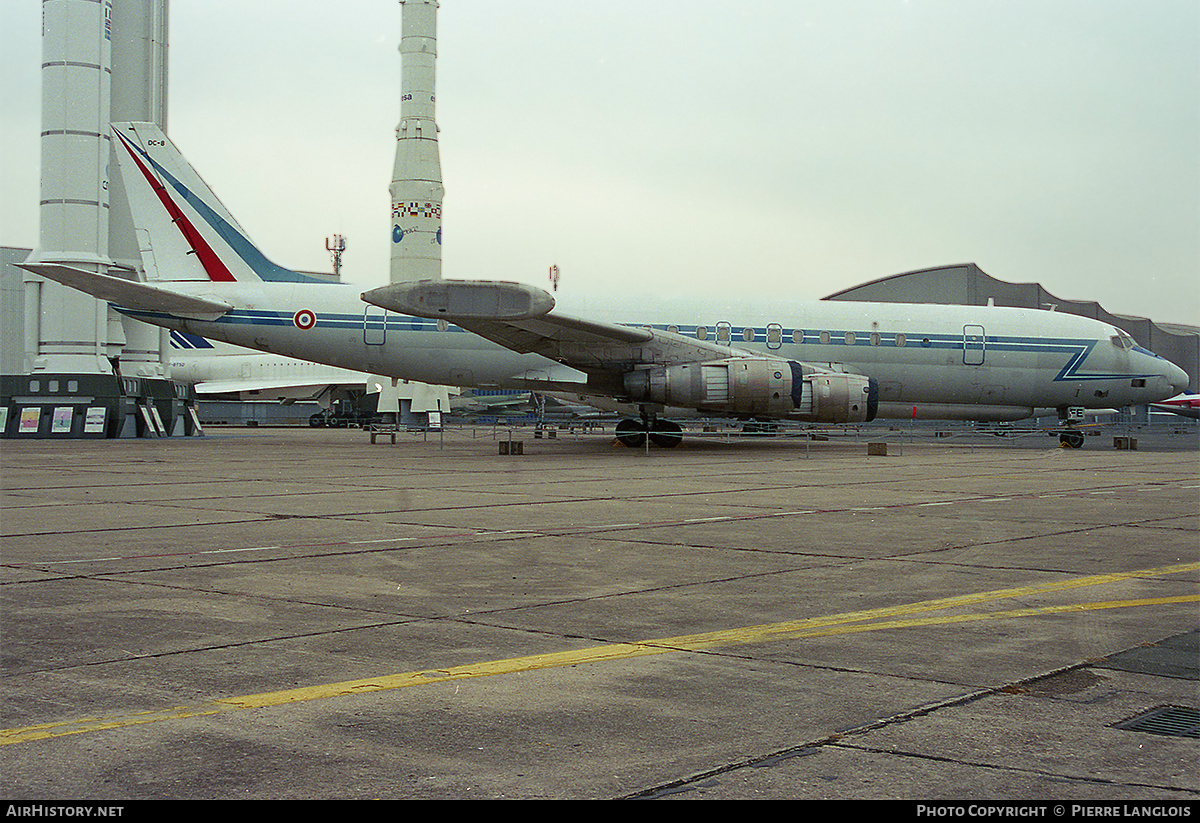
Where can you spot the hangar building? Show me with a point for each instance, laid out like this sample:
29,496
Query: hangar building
968,285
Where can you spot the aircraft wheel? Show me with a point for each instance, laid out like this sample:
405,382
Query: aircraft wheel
1071,440
631,433
666,434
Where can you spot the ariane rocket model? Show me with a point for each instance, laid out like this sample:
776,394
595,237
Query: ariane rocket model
416,187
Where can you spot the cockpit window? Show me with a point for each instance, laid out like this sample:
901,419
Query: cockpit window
1122,340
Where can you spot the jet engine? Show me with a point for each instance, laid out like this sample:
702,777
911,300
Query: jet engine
761,387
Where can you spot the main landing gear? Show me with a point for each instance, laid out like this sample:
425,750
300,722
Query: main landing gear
662,433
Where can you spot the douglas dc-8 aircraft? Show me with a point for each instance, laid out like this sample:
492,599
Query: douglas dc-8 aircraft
828,363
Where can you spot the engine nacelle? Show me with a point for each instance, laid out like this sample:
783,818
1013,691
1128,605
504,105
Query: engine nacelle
763,387
839,398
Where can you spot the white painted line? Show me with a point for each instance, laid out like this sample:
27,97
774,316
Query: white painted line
231,551
381,540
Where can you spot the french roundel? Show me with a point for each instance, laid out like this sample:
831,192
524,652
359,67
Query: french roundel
304,319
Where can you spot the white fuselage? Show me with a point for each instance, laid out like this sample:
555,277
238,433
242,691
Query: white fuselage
948,361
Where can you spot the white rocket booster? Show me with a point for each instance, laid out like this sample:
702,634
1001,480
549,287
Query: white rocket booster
101,61
417,175
416,196
66,331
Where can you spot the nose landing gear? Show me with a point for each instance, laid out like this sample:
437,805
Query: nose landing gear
1070,439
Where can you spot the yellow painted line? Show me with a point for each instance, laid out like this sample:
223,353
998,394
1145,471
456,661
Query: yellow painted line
756,634
1012,613
849,623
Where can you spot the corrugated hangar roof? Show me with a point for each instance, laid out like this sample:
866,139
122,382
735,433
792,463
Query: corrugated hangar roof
965,284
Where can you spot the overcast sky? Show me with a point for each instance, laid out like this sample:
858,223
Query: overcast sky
776,150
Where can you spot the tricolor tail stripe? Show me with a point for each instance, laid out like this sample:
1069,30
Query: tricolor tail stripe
213,265
173,194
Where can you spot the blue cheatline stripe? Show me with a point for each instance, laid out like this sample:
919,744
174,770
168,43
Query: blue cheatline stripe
1077,349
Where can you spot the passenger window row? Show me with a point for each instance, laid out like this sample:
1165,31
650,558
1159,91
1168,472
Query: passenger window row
775,334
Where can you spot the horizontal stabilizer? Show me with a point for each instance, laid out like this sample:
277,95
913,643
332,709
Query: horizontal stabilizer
462,299
130,294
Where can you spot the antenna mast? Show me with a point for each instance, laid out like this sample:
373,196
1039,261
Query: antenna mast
336,245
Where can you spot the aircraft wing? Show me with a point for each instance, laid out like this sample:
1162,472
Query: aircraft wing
1193,413
552,332
130,293
519,317
646,366
1185,405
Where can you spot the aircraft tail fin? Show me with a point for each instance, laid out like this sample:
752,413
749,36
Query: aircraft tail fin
184,232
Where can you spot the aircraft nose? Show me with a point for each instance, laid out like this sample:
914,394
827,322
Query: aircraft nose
1177,377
